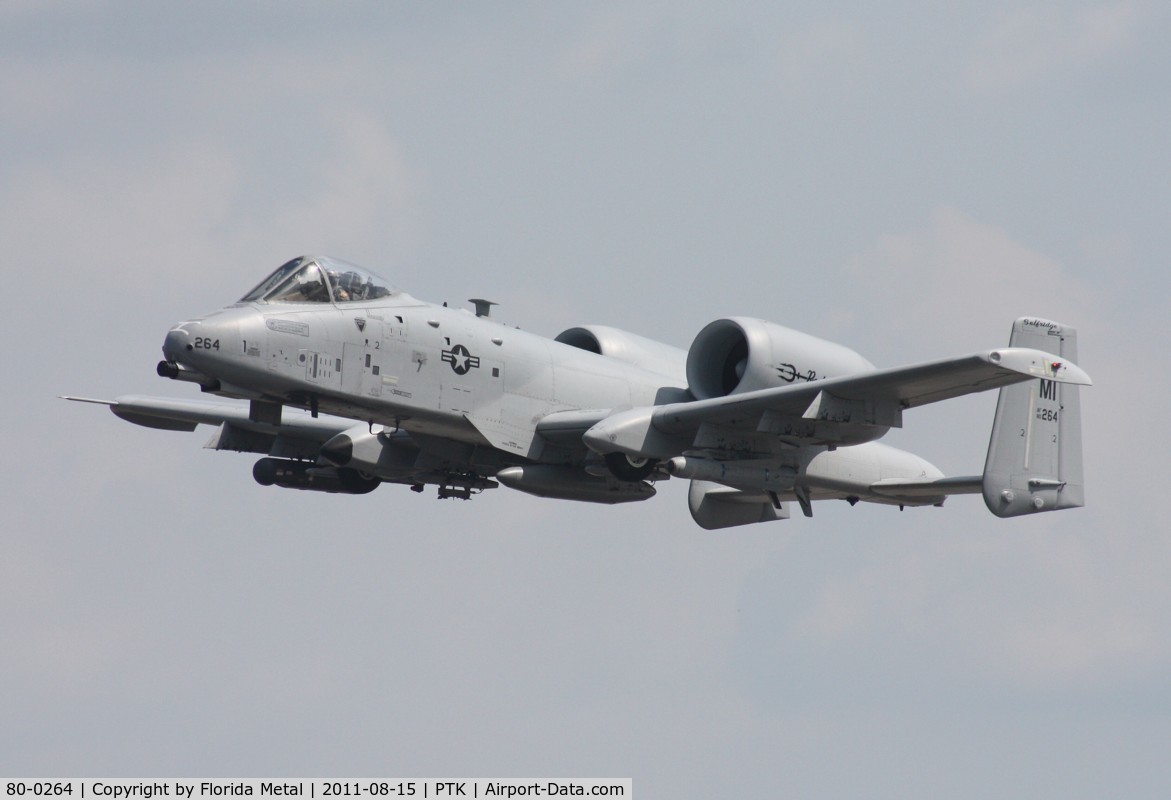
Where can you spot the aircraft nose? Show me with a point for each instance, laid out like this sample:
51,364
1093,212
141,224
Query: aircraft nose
177,343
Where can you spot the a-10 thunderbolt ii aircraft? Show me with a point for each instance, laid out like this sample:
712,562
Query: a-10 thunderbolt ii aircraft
756,415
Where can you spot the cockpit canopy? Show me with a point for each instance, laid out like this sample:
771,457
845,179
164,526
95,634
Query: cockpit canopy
315,279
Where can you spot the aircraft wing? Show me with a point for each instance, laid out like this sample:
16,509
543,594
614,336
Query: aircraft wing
239,429
842,410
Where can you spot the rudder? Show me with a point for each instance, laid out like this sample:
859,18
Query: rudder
1035,453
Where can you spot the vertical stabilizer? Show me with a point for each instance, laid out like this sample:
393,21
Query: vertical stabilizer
1035,454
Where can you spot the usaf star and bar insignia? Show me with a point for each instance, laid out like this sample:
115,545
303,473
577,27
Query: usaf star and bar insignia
461,360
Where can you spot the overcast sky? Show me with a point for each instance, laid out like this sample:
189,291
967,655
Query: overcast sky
906,178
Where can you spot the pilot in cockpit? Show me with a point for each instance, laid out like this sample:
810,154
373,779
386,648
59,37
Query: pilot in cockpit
320,280
347,286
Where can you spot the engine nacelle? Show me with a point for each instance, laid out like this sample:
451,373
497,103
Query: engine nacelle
627,347
740,354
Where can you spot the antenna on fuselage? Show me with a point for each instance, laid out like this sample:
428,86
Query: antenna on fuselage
483,307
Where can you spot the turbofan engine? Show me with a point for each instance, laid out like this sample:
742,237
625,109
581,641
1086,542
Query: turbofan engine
740,354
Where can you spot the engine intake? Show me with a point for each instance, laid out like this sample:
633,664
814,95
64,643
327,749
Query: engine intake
740,354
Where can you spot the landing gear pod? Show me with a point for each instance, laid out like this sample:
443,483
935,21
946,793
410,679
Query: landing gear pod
715,506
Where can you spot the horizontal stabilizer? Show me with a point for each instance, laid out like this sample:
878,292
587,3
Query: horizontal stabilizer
915,492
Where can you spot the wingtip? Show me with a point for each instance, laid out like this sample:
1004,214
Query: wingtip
1071,373
1038,363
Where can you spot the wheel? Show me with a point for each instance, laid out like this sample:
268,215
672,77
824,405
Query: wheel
629,468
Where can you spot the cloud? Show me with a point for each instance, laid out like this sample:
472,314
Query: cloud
953,285
830,50
360,189
81,210
608,42
1029,46
1079,631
